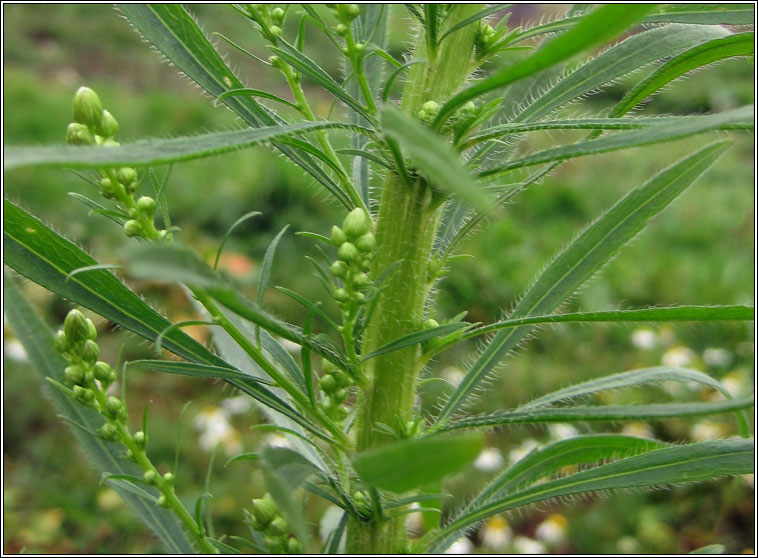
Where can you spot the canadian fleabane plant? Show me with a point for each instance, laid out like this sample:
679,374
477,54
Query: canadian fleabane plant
435,153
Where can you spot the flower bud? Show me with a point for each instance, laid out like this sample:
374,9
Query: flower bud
365,264
108,126
276,62
61,342
341,295
341,29
150,477
327,384
274,543
356,223
279,526
343,379
359,297
91,330
75,327
340,413
132,228
339,396
74,374
102,371
110,143
360,280
430,323
366,242
293,546
83,395
89,351
114,409
109,432
162,502
338,268
468,108
168,478
338,236
126,175
265,510
140,438
146,204
275,30
348,252
277,16
87,108
359,47
79,134
106,189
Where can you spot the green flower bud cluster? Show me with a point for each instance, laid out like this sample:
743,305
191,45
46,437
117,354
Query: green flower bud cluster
76,342
362,503
485,36
346,13
277,532
355,243
92,125
334,384
428,112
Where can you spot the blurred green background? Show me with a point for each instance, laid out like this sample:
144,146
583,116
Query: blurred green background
700,251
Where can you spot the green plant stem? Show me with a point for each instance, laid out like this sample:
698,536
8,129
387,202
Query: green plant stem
280,379
405,231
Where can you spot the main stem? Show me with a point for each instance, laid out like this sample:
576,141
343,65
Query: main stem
405,231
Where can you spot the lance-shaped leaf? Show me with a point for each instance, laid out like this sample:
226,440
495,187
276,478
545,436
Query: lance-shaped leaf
177,35
407,464
741,44
687,463
601,25
583,257
547,461
38,253
195,370
106,457
433,157
681,128
626,57
704,14
158,151
584,413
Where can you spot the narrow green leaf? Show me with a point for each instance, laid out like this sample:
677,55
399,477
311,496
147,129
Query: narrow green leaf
106,457
653,411
335,537
230,230
178,37
596,28
476,17
741,44
193,369
705,14
254,93
709,549
280,354
583,257
309,305
159,151
170,262
677,313
594,124
97,208
545,462
620,60
407,464
687,463
678,129
243,457
626,379
414,339
268,260
223,547
435,159
318,75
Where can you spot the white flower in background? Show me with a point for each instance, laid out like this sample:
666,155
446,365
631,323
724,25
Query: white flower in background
561,431
489,460
453,374
329,522
644,338
525,545
552,531
519,452
709,430
213,425
678,356
237,405
628,545
278,441
461,546
14,350
414,521
496,533
749,480
638,430
714,356
737,382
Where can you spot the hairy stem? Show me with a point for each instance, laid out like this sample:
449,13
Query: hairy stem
405,231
